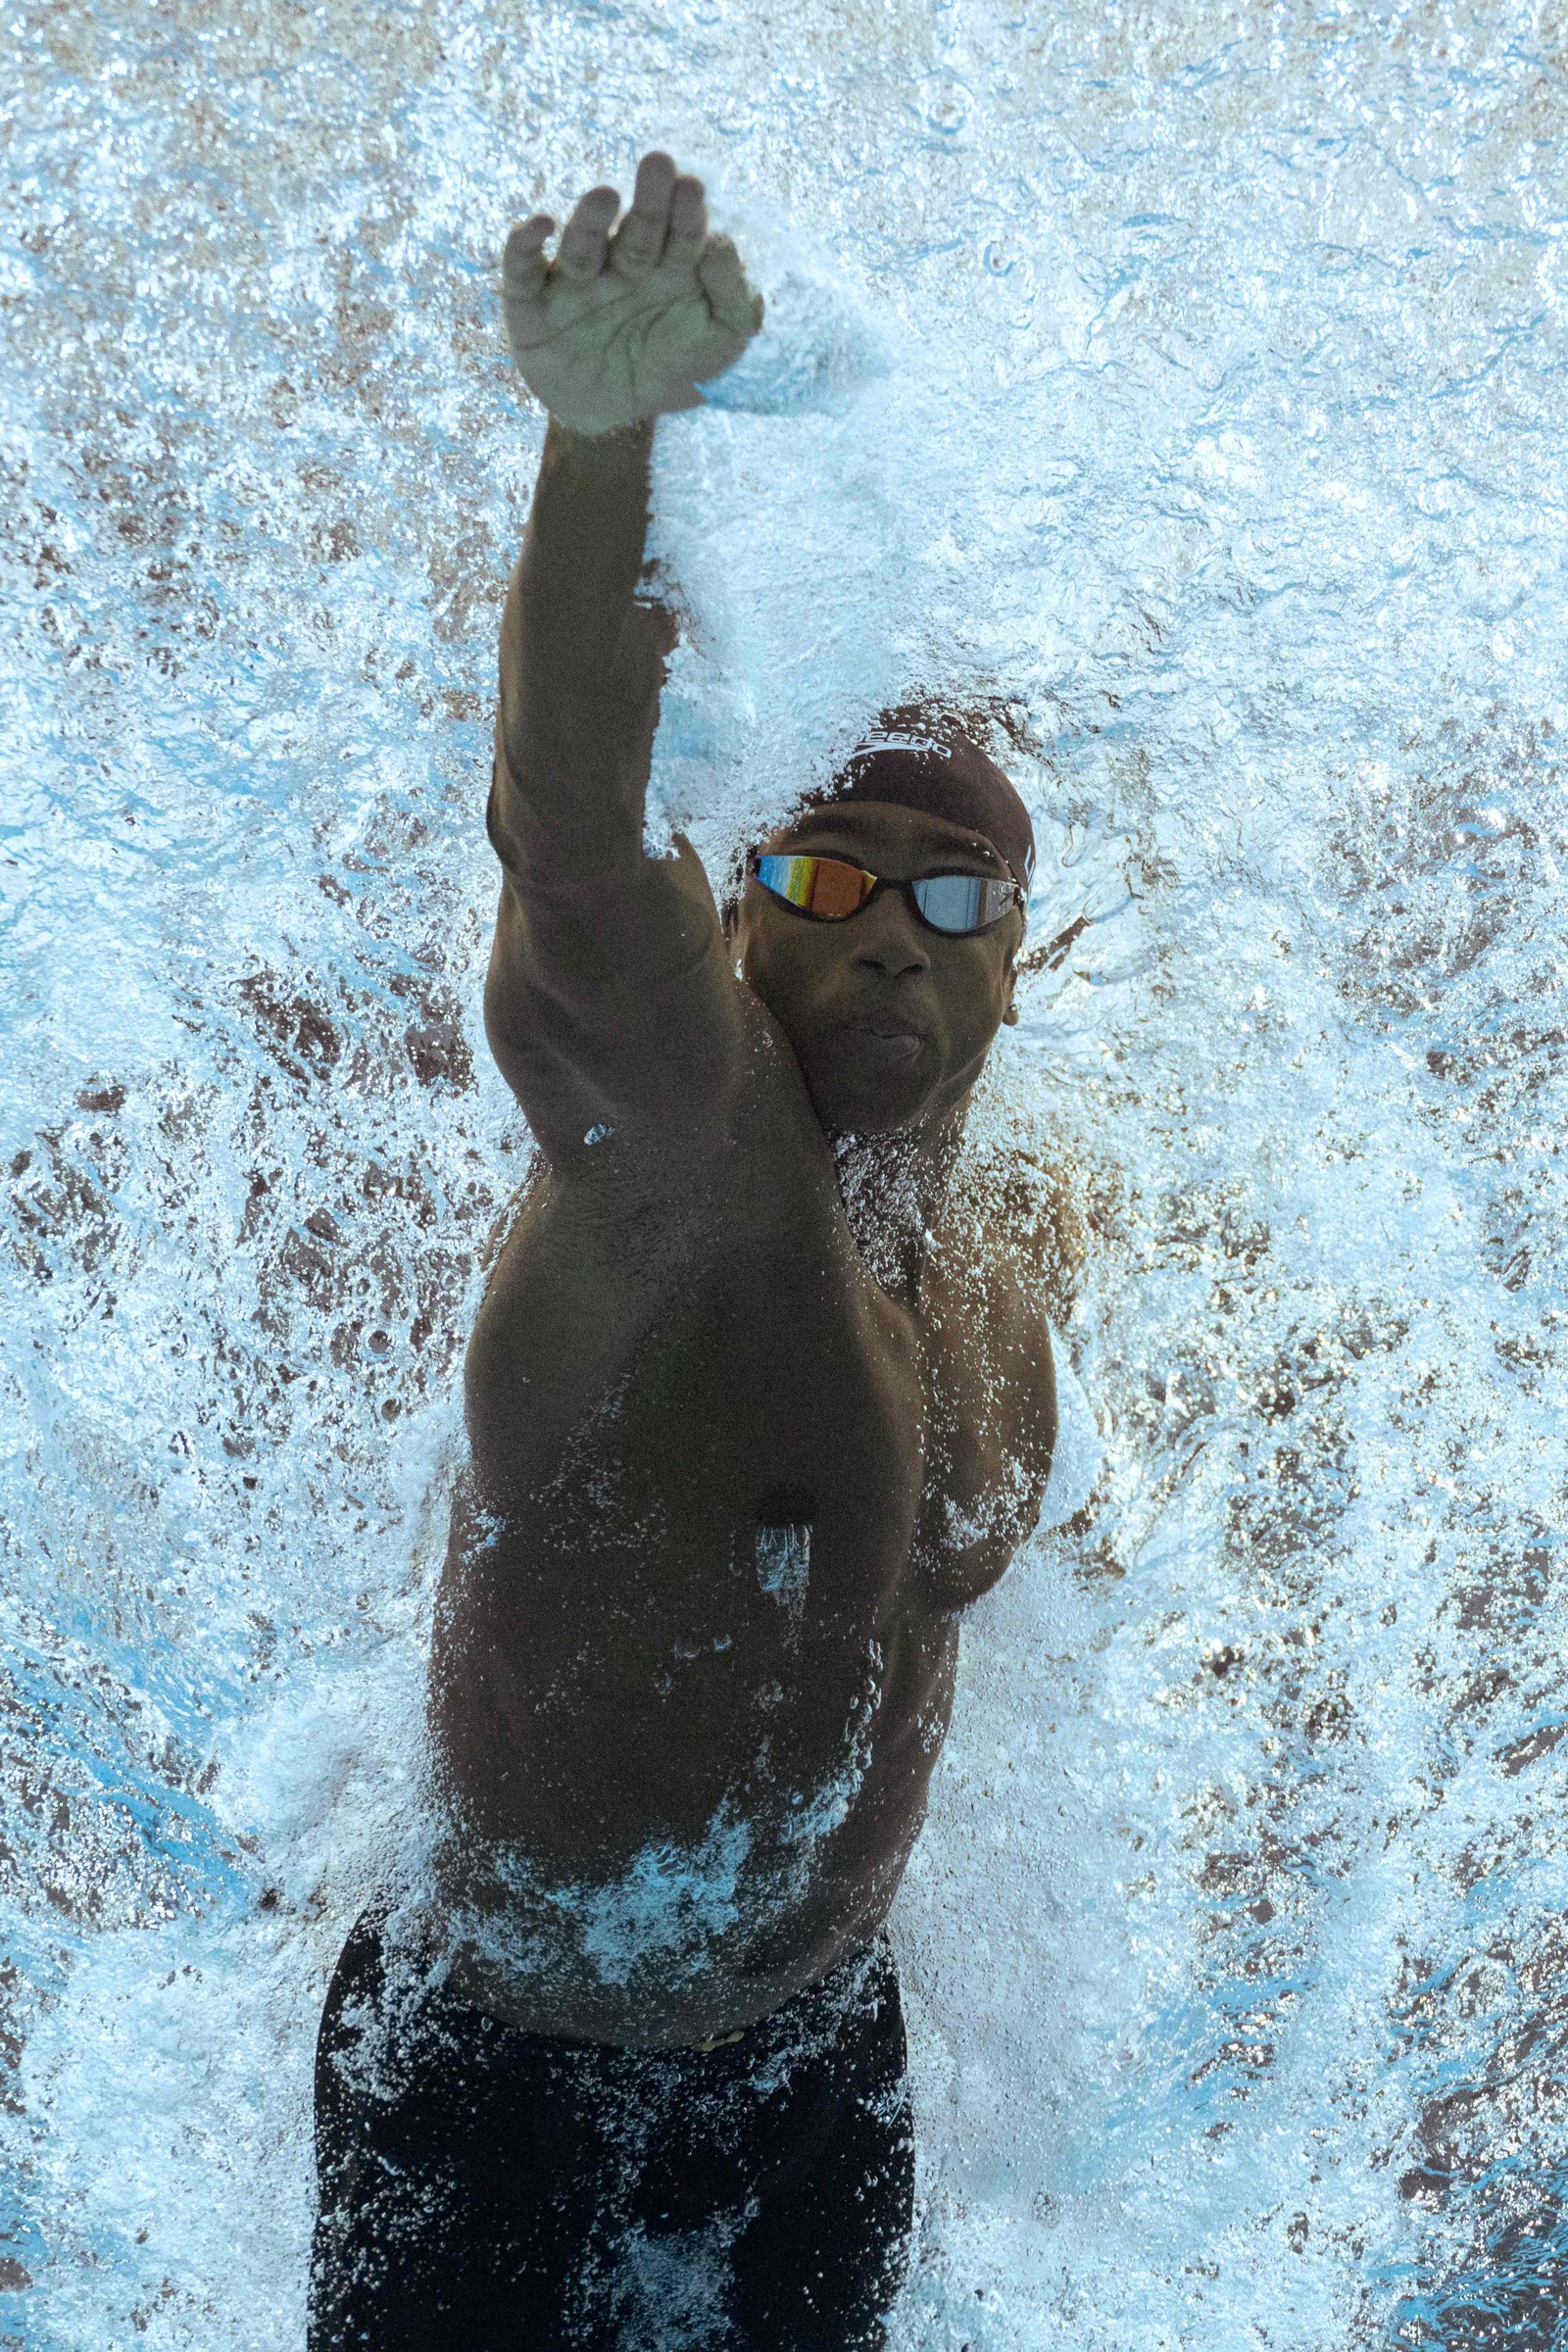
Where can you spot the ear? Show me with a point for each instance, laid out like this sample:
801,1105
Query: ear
1009,1018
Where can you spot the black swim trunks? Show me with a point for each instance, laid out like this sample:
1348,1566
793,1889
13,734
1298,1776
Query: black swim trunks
485,2189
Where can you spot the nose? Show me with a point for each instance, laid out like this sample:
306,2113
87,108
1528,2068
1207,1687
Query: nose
889,942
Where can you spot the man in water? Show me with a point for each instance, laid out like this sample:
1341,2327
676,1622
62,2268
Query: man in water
760,1398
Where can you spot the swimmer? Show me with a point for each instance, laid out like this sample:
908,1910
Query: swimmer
760,1400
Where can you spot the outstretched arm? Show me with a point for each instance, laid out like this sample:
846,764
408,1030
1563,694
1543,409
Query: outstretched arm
600,949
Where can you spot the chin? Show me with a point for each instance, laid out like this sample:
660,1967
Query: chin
867,1110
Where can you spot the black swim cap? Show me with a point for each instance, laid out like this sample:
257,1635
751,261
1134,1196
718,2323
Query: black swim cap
943,773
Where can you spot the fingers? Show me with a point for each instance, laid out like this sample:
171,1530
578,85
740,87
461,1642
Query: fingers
522,264
638,242
523,271
688,223
581,253
724,281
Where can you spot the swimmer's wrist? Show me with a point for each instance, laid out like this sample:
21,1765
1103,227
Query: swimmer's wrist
611,470
596,436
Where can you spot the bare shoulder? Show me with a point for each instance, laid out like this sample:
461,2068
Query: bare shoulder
1023,1187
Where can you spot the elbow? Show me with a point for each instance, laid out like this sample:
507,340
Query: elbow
521,1015
556,844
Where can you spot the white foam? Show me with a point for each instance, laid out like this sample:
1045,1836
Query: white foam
1194,379
1075,1463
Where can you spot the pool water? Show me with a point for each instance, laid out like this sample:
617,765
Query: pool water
1190,373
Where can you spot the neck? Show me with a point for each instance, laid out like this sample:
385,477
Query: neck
894,1187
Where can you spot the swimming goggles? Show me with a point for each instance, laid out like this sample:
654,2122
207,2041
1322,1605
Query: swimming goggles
829,890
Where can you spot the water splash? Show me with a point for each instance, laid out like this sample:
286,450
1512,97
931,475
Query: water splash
1204,394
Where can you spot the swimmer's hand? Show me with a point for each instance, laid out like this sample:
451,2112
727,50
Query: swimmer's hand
627,325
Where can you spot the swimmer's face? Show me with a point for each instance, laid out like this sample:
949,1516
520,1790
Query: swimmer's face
891,1021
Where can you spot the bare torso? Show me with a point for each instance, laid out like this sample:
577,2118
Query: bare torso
698,1631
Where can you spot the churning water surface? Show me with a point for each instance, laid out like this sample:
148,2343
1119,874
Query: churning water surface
1192,372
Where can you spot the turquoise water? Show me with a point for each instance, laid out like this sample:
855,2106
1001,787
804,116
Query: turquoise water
1192,374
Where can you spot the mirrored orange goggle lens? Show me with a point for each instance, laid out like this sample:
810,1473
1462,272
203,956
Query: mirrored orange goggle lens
825,886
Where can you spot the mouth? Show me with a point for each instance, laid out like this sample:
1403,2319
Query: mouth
882,1041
